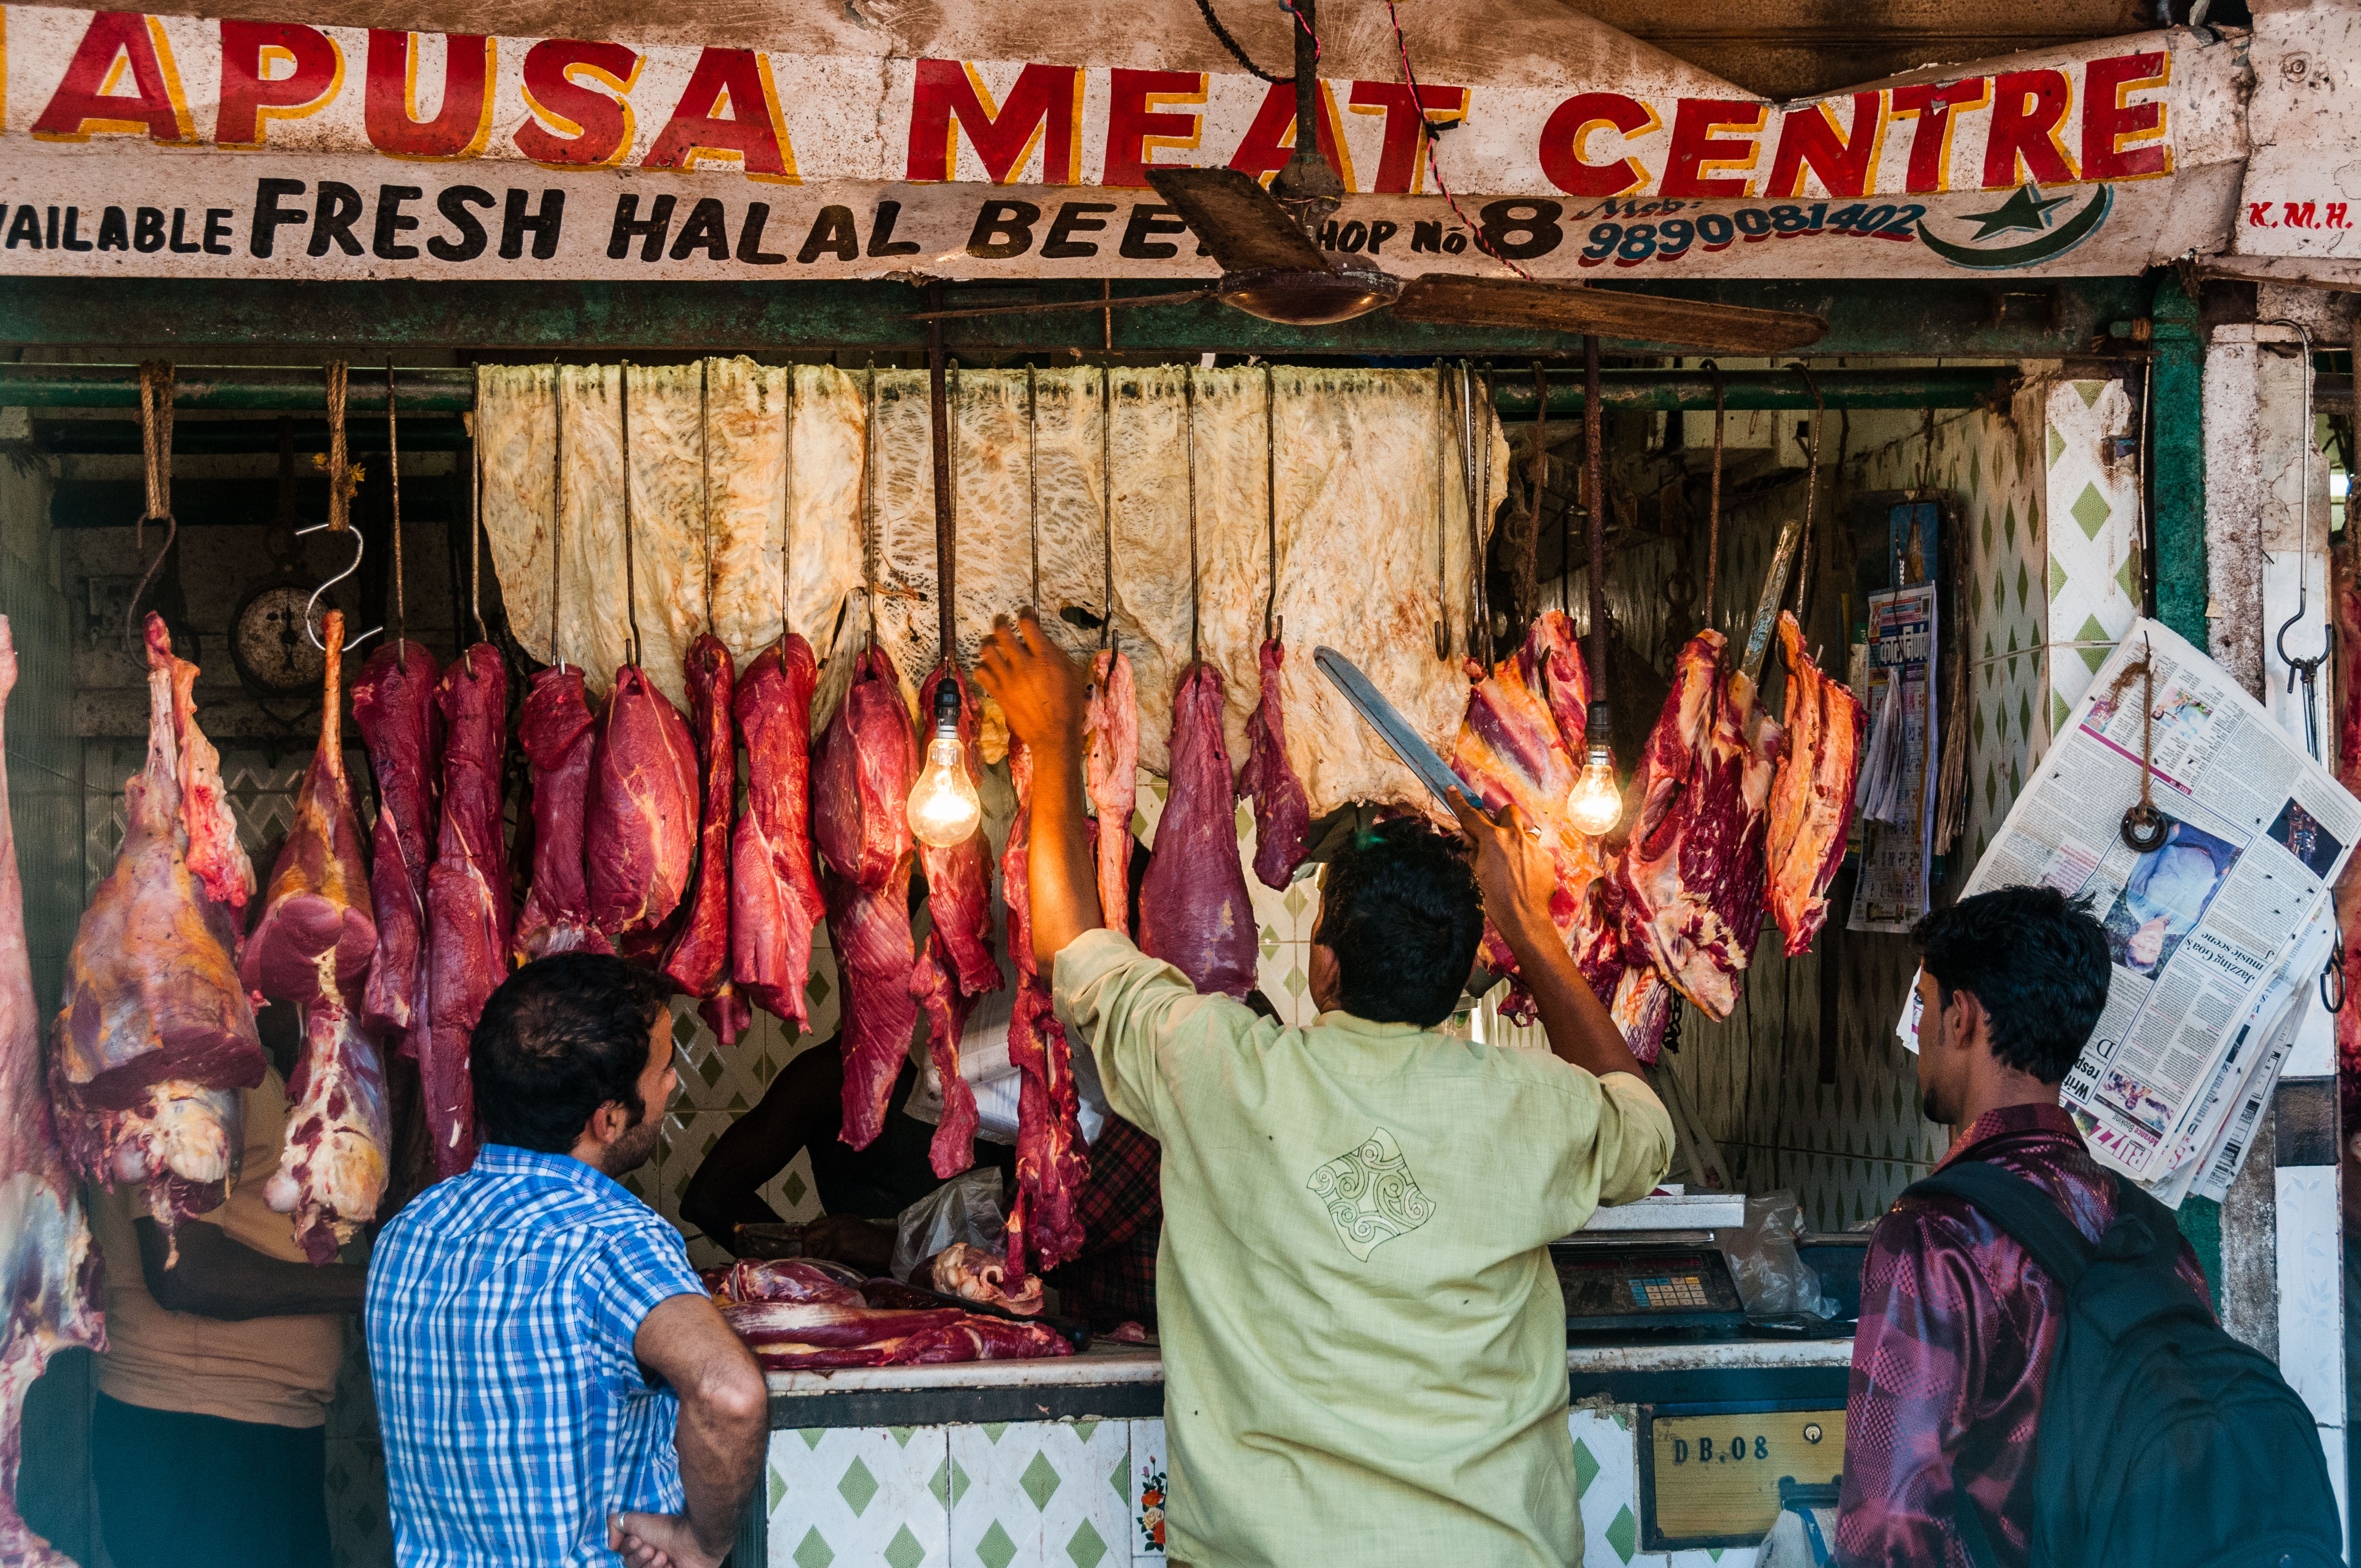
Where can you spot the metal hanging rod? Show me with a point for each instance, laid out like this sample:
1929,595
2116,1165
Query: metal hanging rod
301,391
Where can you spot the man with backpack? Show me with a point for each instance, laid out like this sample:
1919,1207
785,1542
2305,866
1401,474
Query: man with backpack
2037,1377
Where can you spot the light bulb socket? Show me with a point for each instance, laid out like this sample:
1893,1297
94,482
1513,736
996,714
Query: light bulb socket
1598,728
947,710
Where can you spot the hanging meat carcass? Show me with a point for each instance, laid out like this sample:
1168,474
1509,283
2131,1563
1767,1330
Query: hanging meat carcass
1282,811
468,916
48,1269
216,857
556,735
957,966
393,704
1811,799
1524,730
1051,1160
1112,776
774,897
1194,911
311,950
1691,879
860,817
157,1037
698,960
640,845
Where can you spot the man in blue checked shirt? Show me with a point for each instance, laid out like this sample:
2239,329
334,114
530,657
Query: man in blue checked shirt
553,1384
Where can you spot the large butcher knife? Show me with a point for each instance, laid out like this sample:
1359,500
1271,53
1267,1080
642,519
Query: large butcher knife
1391,727
1766,610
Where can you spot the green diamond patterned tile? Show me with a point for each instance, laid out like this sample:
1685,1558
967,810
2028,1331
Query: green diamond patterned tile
1243,819
1082,1431
1295,899
778,1488
995,1549
1623,1535
1270,942
905,1551
814,1553
2092,631
2090,510
2025,714
1295,981
1119,1474
902,1435
2057,445
2058,711
1087,1548
995,1431
2008,524
961,1480
2089,391
793,1187
1586,1468
816,988
812,1436
2023,584
2056,576
857,1487
1040,1480
939,1485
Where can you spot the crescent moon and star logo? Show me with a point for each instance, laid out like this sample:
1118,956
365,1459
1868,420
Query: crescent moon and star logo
2028,211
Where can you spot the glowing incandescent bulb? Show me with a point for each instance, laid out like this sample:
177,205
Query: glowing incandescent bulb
944,809
1595,804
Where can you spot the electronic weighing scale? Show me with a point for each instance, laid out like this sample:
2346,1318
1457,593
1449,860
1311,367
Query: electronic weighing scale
1652,1267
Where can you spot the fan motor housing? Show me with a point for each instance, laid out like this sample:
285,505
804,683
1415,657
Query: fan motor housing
1297,297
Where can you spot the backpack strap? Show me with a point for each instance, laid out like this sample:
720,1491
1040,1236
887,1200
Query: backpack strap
2029,1214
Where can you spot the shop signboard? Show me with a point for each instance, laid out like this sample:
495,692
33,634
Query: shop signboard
134,145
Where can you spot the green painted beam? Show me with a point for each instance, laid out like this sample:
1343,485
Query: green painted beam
293,389
2177,459
1962,317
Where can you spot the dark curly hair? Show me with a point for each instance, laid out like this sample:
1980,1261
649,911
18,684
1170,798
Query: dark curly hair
1401,912
2037,962
562,1037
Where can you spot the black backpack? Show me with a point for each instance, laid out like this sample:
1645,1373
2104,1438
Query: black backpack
2163,1442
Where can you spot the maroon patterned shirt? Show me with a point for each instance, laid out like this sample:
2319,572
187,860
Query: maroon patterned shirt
1122,1211
1958,1325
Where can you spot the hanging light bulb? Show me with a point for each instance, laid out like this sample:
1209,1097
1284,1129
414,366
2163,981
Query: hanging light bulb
1595,804
944,809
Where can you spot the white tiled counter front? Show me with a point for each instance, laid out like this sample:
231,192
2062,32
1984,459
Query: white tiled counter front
1071,1469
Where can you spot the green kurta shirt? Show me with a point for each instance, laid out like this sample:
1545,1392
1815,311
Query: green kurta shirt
1364,1343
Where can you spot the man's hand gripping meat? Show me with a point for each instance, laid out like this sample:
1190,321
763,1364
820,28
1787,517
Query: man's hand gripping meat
1045,696
1518,876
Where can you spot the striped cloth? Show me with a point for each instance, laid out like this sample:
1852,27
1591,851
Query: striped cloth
501,1308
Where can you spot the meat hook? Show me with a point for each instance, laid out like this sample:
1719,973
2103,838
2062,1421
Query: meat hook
360,547
2305,669
1106,504
557,501
1442,477
1189,417
156,439
1713,491
1273,627
393,477
1033,478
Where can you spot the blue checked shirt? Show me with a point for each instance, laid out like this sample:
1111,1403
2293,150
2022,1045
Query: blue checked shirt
501,1308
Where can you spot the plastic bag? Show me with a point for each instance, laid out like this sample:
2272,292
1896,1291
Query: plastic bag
1771,1277
965,1209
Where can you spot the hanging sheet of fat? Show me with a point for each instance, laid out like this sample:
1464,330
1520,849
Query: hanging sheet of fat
1363,565
777,497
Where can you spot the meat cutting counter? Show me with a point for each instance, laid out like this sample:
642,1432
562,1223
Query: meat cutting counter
1682,1431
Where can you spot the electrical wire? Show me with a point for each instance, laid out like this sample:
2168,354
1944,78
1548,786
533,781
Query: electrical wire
1205,10
1427,133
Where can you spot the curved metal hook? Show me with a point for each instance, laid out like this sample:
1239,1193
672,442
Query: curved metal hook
2297,667
360,547
131,611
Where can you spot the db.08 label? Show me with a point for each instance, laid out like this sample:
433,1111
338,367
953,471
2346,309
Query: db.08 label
1704,1450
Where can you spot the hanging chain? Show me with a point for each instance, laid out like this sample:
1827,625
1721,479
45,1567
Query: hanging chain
341,482
156,447
1804,564
557,501
393,477
1442,523
869,502
705,474
1189,421
1106,504
1033,479
476,539
1713,494
2144,825
787,505
1271,630
630,587
947,537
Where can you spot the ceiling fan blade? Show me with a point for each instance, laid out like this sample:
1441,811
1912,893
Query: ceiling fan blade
1607,313
1120,303
1240,223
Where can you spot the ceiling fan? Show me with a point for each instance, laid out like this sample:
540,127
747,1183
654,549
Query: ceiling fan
1273,267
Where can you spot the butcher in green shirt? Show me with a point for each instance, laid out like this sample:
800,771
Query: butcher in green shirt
1364,1342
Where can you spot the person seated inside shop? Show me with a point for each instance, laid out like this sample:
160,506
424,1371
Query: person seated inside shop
863,1193
1364,1342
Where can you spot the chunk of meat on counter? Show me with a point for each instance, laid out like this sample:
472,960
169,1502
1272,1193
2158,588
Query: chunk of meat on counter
157,1036
1692,877
1194,911
698,960
393,704
1811,799
1111,776
48,1269
1282,811
774,897
558,735
781,1280
868,761
642,842
975,1274
467,915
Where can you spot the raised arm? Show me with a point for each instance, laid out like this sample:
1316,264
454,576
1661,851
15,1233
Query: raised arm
1517,877
797,1111
723,1430
1044,696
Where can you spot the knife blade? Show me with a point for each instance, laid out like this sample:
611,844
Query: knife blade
1767,612
1393,728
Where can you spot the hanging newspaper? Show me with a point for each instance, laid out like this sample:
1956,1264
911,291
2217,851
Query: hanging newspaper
1896,797
2213,932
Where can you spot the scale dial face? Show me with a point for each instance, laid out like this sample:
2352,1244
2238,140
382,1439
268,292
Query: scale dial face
268,643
